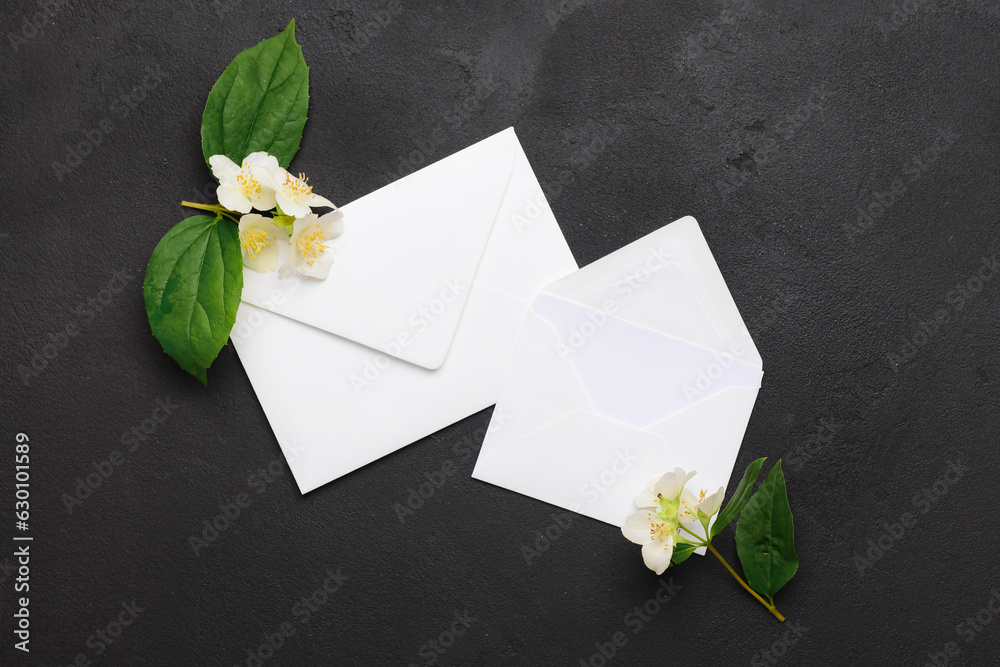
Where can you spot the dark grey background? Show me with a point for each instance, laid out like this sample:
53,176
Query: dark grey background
772,123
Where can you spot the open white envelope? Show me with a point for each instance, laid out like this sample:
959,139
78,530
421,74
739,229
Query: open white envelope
635,364
412,330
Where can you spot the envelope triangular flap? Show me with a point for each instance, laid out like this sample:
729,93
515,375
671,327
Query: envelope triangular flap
690,300
608,465
405,263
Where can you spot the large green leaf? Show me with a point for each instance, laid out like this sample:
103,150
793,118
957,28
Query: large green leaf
765,540
192,290
739,498
259,103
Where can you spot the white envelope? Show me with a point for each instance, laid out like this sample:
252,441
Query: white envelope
635,364
412,330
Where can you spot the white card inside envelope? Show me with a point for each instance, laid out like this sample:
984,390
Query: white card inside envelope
635,363
638,397
403,247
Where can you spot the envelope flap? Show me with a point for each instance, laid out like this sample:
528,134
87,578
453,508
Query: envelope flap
405,263
601,464
667,281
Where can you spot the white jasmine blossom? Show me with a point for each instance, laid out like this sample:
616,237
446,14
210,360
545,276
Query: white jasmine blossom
666,486
258,239
658,537
248,185
667,508
293,195
701,507
309,254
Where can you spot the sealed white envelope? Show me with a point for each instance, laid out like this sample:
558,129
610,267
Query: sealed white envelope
412,330
631,366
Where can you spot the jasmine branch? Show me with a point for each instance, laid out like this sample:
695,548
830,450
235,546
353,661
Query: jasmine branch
770,607
218,209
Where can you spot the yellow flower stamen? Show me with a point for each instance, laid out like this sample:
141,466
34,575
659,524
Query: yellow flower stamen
254,241
249,185
297,187
660,531
311,245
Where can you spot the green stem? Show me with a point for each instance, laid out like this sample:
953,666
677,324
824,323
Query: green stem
770,607
700,542
218,209
214,208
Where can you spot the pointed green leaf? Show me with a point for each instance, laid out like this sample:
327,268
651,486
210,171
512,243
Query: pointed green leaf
765,539
740,497
259,103
682,552
192,290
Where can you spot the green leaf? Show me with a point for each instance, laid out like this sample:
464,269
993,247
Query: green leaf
740,497
682,552
259,103
765,540
192,290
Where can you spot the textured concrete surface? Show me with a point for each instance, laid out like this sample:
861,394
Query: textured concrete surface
841,158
